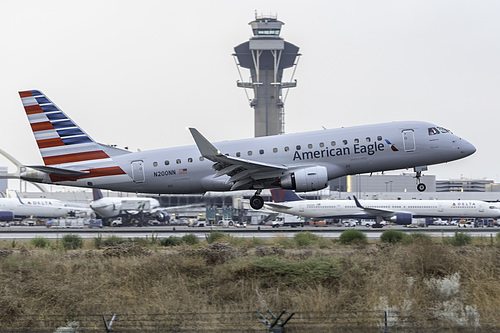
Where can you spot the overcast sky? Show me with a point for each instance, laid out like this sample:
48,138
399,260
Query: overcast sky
138,73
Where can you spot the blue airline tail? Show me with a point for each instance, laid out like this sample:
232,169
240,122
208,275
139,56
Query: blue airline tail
97,194
280,195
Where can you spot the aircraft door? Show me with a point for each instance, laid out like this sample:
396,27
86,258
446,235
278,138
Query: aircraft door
409,140
138,171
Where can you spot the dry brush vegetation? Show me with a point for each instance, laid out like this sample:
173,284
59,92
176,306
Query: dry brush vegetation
230,274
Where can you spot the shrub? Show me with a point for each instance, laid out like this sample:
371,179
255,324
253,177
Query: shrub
72,242
113,240
171,241
190,239
214,236
392,236
305,238
40,242
417,237
352,236
460,239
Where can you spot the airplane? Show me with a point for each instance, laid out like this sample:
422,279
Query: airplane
397,211
17,209
301,161
130,209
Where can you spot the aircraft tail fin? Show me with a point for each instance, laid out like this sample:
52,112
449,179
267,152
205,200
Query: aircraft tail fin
97,194
280,195
64,146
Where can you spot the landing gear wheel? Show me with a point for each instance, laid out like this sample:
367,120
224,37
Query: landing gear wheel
256,202
421,187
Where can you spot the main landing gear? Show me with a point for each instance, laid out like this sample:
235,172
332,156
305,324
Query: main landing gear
421,187
257,202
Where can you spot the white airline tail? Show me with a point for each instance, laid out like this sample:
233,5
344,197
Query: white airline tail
67,151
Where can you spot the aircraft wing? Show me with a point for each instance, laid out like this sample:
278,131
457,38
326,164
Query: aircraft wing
272,205
244,174
375,211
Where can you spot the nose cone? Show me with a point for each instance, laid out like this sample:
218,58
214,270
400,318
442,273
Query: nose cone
466,148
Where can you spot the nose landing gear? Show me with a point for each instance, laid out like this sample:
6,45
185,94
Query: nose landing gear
421,187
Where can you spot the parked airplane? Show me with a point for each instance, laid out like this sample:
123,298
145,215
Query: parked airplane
302,161
397,211
130,209
18,209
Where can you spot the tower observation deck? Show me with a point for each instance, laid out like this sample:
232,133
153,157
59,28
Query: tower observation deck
267,55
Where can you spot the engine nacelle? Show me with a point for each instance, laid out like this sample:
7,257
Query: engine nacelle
306,179
162,216
6,216
402,218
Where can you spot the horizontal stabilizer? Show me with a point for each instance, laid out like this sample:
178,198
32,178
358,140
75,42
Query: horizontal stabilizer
57,171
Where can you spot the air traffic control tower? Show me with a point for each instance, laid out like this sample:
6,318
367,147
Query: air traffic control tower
267,55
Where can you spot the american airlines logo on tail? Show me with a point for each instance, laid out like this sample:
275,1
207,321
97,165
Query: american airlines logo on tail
61,141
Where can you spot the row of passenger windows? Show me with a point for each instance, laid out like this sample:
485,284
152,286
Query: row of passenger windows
275,150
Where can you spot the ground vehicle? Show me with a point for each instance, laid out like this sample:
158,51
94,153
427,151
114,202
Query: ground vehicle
350,222
226,223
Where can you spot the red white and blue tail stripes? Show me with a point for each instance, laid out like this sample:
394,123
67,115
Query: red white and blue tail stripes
61,141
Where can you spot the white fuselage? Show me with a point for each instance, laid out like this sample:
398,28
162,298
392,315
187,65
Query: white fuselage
42,208
417,208
341,152
114,206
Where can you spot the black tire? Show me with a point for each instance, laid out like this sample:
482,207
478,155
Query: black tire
421,187
256,202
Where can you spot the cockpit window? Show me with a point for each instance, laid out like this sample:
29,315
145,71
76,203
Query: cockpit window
443,130
433,131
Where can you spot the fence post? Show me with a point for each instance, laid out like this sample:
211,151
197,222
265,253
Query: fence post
274,326
108,327
386,327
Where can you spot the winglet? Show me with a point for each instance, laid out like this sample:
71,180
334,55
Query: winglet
357,202
207,149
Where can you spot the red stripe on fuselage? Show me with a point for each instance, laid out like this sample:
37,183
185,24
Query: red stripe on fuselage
101,172
77,157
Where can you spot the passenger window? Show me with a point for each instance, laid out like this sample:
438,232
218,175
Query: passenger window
321,144
356,140
190,160
238,154
379,138
155,164
167,162
333,143
309,146
249,153
178,161
261,151
297,147
287,148
202,158
368,139
344,142
275,150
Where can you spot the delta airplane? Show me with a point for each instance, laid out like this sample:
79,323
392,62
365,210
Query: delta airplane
397,211
302,162
18,209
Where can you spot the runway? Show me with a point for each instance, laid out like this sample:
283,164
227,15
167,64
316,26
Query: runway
264,232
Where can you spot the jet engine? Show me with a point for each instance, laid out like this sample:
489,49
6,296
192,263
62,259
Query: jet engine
401,218
6,216
306,179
